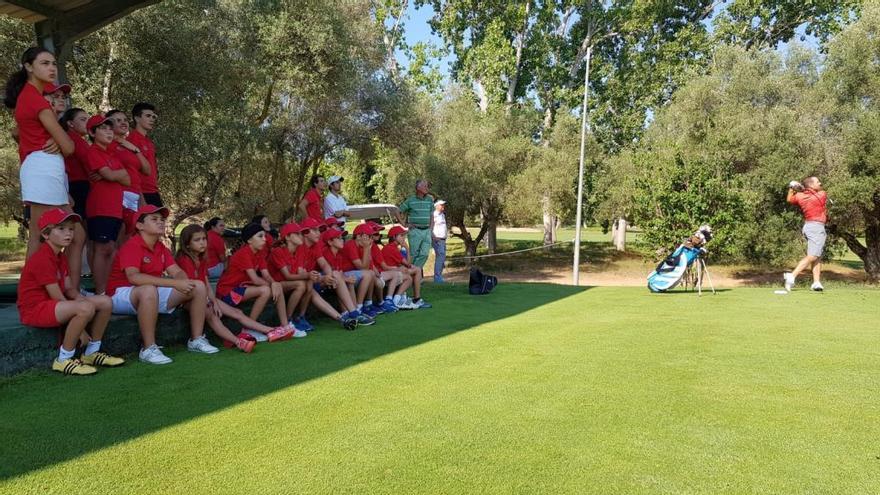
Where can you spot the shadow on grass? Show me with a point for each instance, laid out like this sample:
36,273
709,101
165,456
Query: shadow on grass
50,419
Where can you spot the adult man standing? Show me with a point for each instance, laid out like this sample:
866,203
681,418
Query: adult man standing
439,233
812,200
145,118
310,205
334,204
419,220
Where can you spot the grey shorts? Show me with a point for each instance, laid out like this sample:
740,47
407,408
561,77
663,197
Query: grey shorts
815,234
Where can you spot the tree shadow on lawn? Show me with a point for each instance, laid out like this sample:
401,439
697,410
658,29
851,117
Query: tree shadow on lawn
51,419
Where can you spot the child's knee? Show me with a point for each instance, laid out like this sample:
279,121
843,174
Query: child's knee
147,294
85,309
102,303
200,288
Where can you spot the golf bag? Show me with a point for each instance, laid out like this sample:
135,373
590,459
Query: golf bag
481,283
671,270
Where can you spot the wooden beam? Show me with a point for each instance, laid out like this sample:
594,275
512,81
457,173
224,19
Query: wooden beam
88,18
36,7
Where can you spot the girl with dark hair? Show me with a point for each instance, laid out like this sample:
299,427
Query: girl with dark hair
41,143
263,221
312,202
216,251
191,258
77,163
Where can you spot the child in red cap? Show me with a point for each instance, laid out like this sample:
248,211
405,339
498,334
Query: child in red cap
247,277
137,286
334,264
395,259
47,300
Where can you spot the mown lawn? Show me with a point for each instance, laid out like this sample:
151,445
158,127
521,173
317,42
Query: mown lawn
533,389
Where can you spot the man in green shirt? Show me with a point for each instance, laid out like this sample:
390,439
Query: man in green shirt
418,209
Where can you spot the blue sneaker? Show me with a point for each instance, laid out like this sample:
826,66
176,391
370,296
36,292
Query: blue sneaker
377,308
368,310
348,323
421,304
303,324
389,307
361,318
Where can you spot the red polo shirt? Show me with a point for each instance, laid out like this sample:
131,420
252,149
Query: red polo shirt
376,257
77,164
235,274
105,197
189,267
353,252
149,183
392,255
132,165
812,204
267,248
32,136
313,208
136,253
42,269
278,259
307,256
216,249
338,261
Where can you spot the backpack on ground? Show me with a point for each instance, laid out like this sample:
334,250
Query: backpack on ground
481,283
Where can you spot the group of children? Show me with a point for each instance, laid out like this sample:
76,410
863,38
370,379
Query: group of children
309,261
102,197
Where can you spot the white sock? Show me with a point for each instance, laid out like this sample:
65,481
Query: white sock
396,299
389,298
368,303
360,307
93,347
64,354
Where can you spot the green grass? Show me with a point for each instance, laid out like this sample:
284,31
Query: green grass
533,389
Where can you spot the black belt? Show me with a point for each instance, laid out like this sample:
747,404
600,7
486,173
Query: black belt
421,228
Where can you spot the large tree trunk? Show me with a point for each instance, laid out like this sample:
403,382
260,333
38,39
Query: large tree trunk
520,42
483,95
549,220
108,78
869,253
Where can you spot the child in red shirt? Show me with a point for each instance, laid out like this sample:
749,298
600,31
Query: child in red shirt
137,287
247,277
386,278
312,203
145,118
41,140
137,166
333,264
394,259
192,260
266,225
358,254
104,204
216,252
46,300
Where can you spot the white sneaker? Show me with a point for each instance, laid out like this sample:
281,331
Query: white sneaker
789,280
201,344
298,334
153,355
259,337
817,286
406,304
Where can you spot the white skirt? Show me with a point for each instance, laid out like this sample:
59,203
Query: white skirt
43,179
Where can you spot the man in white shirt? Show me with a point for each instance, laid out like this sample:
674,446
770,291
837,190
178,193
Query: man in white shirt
438,239
334,203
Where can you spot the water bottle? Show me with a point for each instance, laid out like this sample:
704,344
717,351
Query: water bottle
403,252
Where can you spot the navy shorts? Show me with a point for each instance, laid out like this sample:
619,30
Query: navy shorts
103,229
79,191
235,296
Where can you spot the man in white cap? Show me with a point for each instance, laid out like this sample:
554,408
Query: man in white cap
439,233
334,203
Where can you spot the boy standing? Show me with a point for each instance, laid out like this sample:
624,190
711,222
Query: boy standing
145,118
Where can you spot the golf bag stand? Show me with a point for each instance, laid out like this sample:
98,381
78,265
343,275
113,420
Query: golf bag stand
703,269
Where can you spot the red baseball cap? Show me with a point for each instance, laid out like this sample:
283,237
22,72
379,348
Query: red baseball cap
309,223
290,228
150,209
376,227
95,121
330,234
332,222
56,216
397,229
364,228
51,88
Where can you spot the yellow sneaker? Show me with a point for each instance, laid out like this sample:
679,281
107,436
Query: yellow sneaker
73,367
101,358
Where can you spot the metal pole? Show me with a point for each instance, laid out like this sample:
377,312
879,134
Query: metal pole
580,199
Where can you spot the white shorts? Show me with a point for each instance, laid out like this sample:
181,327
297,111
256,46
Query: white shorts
43,179
122,301
131,200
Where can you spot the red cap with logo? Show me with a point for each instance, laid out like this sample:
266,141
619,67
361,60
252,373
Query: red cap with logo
95,121
397,229
290,228
56,216
364,229
310,223
330,234
51,88
332,221
149,210
376,227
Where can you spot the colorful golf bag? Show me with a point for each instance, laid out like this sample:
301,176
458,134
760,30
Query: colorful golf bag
671,270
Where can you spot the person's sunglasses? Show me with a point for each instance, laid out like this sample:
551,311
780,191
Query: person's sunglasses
306,231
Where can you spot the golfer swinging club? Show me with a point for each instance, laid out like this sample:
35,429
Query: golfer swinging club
810,197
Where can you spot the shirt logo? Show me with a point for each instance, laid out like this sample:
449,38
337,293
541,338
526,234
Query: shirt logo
147,259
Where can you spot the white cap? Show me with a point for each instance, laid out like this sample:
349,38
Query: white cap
439,202
334,178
